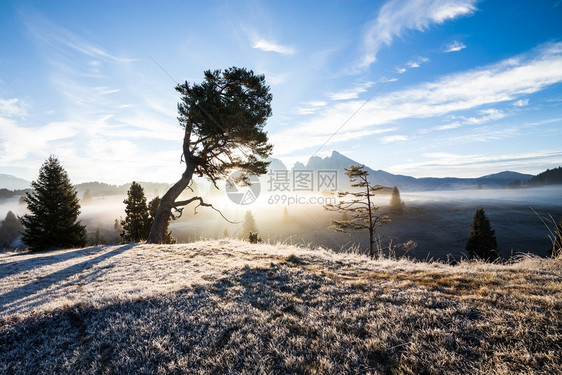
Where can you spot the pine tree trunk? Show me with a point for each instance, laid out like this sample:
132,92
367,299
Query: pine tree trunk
371,224
162,219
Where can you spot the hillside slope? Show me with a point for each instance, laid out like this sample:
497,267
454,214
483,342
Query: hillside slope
228,306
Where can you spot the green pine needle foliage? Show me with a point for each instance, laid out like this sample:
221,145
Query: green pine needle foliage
482,242
135,228
54,208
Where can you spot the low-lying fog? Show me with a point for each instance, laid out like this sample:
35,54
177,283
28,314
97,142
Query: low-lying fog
438,221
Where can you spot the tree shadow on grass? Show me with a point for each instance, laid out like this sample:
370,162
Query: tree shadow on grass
44,283
18,266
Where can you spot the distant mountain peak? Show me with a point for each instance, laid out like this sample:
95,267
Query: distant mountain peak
508,175
335,161
13,183
338,161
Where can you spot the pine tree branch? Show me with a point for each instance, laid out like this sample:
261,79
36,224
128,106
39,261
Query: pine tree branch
175,206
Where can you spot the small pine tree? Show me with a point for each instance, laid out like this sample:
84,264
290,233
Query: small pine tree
396,204
135,223
54,208
249,225
359,205
152,210
87,197
117,231
96,238
482,242
117,226
225,233
10,229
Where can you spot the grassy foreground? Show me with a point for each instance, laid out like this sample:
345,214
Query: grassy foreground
232,307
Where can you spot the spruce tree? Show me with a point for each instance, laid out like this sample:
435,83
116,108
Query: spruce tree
249,226
96,238
396,203
136,219
482,242
87,197
10,229
54,208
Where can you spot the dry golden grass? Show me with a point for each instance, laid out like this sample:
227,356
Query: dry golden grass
232,307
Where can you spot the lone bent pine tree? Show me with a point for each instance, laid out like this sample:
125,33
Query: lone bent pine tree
54,208
359,207
152,211
223,120
482,242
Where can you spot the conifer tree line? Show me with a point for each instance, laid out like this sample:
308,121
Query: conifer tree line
54,207
140,216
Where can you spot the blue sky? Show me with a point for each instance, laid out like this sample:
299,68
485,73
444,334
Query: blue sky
423,88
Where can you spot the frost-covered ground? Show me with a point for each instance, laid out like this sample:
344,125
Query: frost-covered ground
232,307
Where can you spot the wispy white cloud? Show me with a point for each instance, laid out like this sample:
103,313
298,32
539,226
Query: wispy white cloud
462,165
544,122
311,107
276,78
443,155
316,103
521,103
501,82
285,141
449,126
17,143
486,115
455,46
269,46
394,138
396,17
411,64
12,107
486,134
110,114
352,93
56,36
